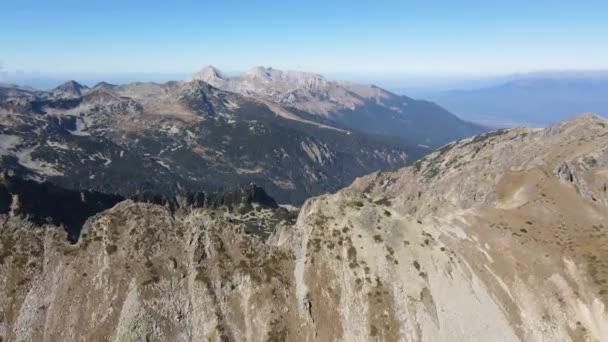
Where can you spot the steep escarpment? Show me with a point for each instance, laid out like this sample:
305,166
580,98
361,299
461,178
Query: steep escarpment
499,237
192,268
525,210
139,273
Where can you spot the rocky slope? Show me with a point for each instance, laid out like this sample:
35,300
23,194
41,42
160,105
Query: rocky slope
365,108
500,237
180,136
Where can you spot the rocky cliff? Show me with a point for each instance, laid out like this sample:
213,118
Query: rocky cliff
500,237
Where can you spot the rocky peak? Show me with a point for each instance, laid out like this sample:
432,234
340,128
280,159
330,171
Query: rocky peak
70,88
208,74
313,92
258,72
359,106
271,74
585,123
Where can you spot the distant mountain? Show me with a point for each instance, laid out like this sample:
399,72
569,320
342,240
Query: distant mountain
180,137
295,134
536,99
365,108
45,81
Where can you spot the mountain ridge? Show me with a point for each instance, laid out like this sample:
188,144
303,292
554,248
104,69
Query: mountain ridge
471,241
366,108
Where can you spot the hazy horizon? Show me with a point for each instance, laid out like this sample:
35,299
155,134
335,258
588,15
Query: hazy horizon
396,37
412,84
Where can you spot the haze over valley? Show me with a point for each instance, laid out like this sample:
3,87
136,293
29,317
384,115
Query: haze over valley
536,99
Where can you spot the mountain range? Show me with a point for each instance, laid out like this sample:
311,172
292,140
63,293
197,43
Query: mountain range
295,134
365,108
536,99
282,206
497,237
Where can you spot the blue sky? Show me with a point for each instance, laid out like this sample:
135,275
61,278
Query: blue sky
381,37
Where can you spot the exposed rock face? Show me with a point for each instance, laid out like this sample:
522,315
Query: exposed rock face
524,211
482,240
141,272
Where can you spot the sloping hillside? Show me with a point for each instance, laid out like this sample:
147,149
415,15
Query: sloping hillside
500,237
180,136
365,108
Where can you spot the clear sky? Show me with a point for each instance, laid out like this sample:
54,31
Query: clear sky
323,36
